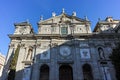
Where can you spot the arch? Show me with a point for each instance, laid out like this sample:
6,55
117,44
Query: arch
44,72
87,72
65,72
101,53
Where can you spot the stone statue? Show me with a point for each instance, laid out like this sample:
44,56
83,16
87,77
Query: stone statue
101,53
29,55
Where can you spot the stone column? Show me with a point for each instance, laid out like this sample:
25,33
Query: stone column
19,66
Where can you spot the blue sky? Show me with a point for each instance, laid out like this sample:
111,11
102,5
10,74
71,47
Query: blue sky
12,11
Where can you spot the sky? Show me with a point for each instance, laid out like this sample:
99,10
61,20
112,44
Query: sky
15,11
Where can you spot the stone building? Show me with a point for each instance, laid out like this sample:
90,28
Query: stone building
2,60
64,48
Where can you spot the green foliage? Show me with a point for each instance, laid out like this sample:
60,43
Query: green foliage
115,57
14,59
13,64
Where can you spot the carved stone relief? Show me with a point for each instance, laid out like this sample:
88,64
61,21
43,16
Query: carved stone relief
101,53
85,53
22,45
84,45
54,44
38,45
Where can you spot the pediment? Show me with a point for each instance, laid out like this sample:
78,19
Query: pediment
62,18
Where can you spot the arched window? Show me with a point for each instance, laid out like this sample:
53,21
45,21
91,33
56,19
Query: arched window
44,72
101,53
87,72
65,72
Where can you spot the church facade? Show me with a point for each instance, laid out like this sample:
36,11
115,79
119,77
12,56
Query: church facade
64,48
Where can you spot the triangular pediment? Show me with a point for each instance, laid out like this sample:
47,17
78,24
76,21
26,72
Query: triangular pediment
62,18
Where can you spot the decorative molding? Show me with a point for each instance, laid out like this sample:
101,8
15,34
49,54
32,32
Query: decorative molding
84,45
54,44
27,62
38,45
22,45
85,53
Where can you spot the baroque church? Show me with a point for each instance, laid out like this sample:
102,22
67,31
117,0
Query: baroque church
64,48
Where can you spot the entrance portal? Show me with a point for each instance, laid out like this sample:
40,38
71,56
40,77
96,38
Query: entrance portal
44,72
87,72
65,72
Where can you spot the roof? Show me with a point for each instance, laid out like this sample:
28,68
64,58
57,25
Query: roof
66,15
26,23
105,22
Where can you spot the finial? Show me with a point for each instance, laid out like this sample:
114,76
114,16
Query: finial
74,13
53,14
86,18
63,10
41,18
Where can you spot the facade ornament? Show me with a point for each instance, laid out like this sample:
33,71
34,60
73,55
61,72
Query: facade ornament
29,54
101,53
53,14
38,45
63,10
54,44
22,45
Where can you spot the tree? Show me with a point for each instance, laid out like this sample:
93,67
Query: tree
115,58
13,63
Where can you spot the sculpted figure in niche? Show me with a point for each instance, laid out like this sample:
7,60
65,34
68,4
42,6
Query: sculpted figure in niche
101,53
29,55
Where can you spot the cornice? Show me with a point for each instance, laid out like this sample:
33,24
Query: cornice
58,36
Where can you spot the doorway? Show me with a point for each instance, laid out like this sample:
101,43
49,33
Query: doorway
65,72
44,72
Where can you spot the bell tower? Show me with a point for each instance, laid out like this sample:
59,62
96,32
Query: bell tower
23,28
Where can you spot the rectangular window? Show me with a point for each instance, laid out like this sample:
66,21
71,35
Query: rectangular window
64,30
